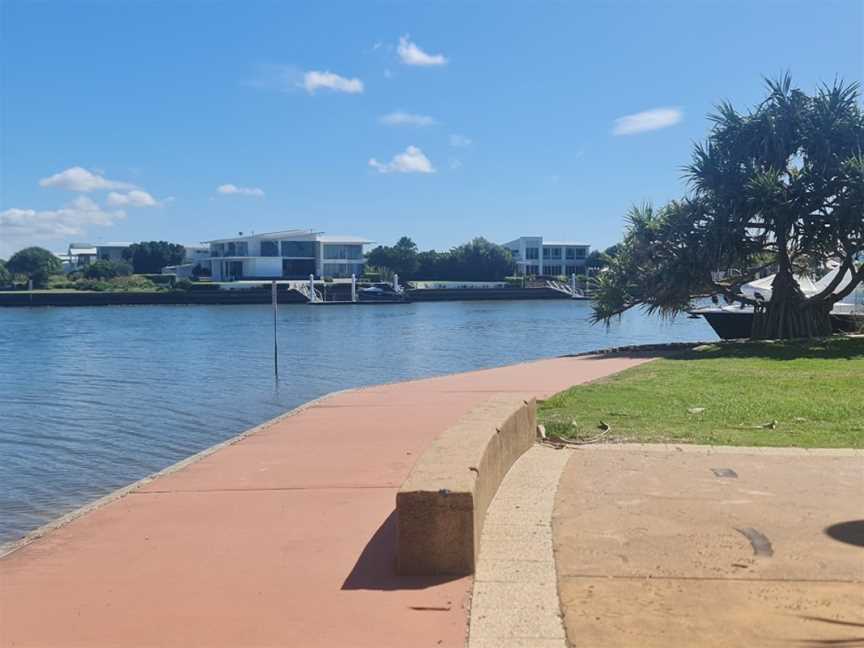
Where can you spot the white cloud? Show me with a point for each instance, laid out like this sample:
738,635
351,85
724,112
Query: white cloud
399,118
22,227
459,141
411,54
79,179
649,120
290,78
411,161
135,198
228,189
314,80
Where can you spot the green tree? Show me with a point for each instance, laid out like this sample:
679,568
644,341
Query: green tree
35,263
105,269
401,258
598,260
430,264
5,276
149,257
479,260
777,187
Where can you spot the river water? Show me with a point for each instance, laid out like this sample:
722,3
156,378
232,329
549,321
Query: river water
92,399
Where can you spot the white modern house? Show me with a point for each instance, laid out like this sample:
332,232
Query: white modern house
535,256
290,254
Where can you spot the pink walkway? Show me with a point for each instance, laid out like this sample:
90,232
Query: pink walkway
284,538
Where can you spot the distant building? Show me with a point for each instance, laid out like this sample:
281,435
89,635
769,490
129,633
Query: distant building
291,254
534,256
195,257
111,251
197,254
80,255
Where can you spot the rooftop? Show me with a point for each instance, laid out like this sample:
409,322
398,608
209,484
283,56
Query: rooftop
565,243
295,235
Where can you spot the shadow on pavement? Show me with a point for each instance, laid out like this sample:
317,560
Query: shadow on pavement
845,643
851,532
375,569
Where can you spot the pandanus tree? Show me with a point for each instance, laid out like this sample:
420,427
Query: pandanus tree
779,189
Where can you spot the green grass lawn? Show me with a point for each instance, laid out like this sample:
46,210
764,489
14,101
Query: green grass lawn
809,395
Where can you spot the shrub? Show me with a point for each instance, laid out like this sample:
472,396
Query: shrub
93,284
183,284
36,263
133,282
61,282
160,279
107,270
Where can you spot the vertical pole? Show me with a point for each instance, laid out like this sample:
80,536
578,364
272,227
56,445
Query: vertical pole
275,320
396,282
353,287
312,297
573,284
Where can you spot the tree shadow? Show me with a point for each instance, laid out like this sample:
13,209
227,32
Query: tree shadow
848,642
375,569
836,348
851,532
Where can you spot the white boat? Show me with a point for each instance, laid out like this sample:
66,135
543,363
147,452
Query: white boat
735,321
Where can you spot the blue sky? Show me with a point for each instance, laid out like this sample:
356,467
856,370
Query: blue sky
121,120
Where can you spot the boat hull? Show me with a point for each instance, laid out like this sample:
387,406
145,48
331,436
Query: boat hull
737,324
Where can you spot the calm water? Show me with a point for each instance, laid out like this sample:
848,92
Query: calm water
94,398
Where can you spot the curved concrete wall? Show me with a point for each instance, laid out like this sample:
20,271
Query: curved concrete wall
442,505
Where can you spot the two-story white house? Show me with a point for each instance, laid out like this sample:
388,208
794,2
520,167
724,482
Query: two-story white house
290,254
534,256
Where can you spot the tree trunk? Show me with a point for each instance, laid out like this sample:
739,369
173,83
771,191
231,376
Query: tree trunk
788,315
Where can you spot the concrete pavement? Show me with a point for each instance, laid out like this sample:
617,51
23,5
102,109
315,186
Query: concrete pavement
691,546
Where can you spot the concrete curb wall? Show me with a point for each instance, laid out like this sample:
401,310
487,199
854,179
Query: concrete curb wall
442,505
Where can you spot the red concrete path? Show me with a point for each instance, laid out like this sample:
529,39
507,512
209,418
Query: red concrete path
284,538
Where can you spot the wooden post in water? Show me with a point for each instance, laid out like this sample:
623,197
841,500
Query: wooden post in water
573,285
275,341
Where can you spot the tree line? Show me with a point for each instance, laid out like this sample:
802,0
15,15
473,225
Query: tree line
477,260
37,264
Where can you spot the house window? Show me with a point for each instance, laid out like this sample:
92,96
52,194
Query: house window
217,250
571,253
343,252
552,253
532,253
552,270
242,248
269,248
299,249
